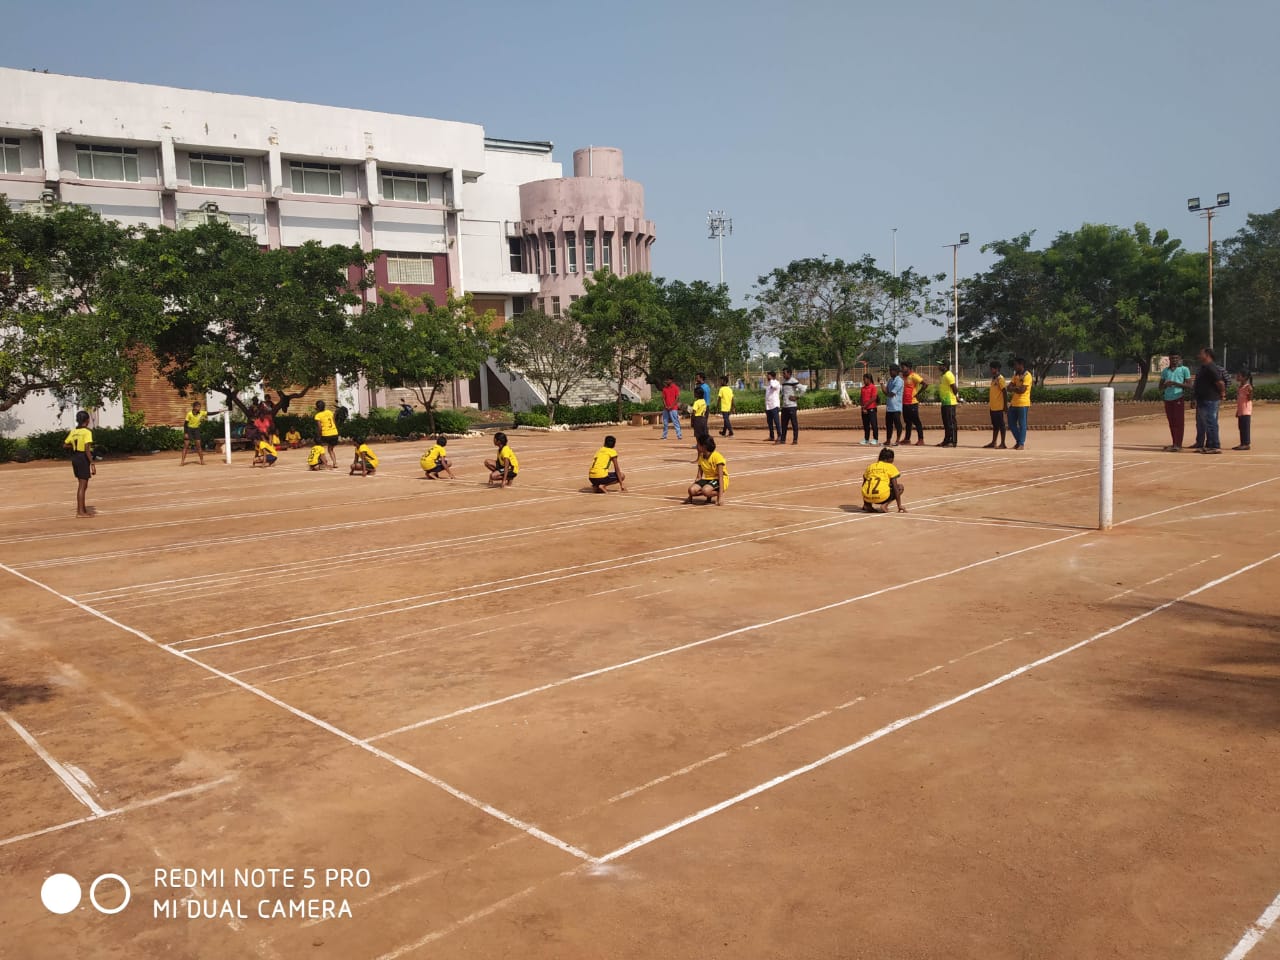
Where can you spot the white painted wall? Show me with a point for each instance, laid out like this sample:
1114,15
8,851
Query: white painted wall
490,204
41,412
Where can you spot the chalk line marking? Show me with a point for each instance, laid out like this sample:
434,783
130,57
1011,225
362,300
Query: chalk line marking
915,717
1161,579
69,780
1256,931
404,765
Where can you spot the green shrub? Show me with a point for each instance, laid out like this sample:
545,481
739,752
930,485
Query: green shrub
1266,391
532,420
8,448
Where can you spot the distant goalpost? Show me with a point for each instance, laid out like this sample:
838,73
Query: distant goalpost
1106,451
1070,371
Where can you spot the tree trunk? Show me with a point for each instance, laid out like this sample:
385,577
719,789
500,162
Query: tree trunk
843,390
431,408
552,403
1144,371
621,382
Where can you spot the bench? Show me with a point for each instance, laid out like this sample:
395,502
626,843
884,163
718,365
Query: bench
237,443
650,417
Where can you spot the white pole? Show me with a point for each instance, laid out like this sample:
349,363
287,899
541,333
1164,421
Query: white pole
226,433
895,295
1106,423
955,295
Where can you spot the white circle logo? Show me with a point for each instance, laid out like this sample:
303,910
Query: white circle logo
61,893
93,890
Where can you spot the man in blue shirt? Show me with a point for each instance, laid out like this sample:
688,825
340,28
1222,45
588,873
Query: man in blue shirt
1172,381
893,407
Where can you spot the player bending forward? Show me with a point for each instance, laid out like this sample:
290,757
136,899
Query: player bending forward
881,483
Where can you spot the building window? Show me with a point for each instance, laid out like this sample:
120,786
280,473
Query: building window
536,247
589,252
406,185
322,179
606,251
417,268
10,159
516,248
626,254
574,298
97,162
542,304
551,253
217,170
555,306
571,252
519,305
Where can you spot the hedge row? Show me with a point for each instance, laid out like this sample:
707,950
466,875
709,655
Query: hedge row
743,402
377,424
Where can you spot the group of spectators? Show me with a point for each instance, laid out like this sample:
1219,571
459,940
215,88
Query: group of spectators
1207,391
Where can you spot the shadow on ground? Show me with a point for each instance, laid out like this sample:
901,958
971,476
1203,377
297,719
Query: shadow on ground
16,694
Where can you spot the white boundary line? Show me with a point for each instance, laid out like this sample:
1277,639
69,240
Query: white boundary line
1256,931
480,805
913,718
68,779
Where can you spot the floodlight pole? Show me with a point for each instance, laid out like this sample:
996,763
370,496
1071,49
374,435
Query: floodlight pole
895,295
1193,205
955,299
719,226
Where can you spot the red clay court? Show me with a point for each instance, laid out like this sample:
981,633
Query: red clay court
551,724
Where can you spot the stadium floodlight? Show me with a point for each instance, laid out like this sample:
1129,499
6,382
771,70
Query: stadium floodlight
1193,206
719,226
955,299
964,238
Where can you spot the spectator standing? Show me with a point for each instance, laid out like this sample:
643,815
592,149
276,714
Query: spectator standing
1244,407
997,403
1019,403
1173,380
702,389
772,402
726,407
913,386
949,397
1210,389
671,408
870,404
789,407
893,388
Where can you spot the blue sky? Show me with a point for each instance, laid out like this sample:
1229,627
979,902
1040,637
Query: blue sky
818,126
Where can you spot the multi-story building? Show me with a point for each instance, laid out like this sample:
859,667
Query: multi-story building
438,199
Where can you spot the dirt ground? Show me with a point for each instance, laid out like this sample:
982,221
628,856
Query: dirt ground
550,724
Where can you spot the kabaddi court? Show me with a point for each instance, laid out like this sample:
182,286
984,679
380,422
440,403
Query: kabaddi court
557,724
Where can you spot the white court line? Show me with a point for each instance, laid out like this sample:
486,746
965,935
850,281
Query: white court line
453,791
1160,579
127,808
915,717
599,671
1256,931
68,779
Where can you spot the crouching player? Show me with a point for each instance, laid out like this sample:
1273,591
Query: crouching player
881,483
434,462
712,478
504,467
317,459
265,453
365,462
605,469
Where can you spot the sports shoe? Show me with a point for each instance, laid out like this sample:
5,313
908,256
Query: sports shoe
919,443
989,446
1243,446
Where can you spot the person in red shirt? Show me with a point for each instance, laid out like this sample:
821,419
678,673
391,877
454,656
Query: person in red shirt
870,403
671,408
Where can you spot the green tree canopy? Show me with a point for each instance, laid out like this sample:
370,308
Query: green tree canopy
702,332
622,318
1249,289
552,352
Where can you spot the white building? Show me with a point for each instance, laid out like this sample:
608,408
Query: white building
437,198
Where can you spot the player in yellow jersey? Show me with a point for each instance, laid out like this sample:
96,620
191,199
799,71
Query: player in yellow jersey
504,467
327,432
317,459
80,442
265,453
365,462
191,432
293,438
881,483
606,469
997,404
434,462
726,406
712,478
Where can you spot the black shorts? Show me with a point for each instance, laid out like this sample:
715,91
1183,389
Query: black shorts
438,468
713,484
603,481
192,433
81,466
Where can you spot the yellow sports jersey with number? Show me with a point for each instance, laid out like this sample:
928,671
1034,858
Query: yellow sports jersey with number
268,448
995,394
80,438
313,458
327,426
699,407
506,453
707,464
603,461
726,399
917,382
195,418
1021,399
432,457
876,486
367,455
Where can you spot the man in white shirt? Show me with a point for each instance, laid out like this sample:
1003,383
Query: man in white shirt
772,393
790,406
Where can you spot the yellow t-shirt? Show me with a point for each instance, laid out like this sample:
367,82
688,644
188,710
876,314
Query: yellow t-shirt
506,453
699,407
293,436
367,455
80,438
267,447
876,482
313,458
195,418
708,466
995,393
945,395
916,380
1021,399
726,399
325,420
602,462
432,457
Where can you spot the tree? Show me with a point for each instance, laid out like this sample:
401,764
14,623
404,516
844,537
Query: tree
415,343
66,326
551,351
622,317
240,317
702,331
1249,285
1022,306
